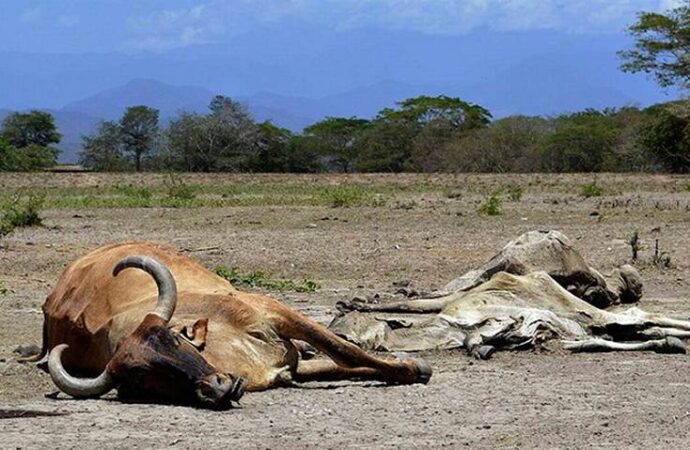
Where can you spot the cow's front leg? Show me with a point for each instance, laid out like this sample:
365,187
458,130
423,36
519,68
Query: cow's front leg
325,370
419,306
293,325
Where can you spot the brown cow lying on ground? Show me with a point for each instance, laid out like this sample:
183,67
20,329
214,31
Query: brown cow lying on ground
189,337
536,290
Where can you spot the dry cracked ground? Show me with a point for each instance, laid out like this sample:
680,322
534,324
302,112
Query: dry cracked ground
530,399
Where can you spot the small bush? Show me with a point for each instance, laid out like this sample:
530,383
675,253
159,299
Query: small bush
177,189
348,197
515,193
259,279
493,206
21,213
3,289
591,190
660,258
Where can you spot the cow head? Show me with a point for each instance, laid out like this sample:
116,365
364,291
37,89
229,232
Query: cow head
153,363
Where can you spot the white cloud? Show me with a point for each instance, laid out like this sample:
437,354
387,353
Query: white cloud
169,29
217,18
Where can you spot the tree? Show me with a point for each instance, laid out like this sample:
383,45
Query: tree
30,158
667,137
103,151
223,140
139,127
25,140
580,142
34,127
662,46
431,122
272,149
386,146
507,145
451,111
337,139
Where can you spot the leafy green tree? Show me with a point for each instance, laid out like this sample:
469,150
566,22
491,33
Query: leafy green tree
303,156
25,141
337,139
34,127
580,142
27,159
386,146
409,137
441,110
103,151
667,137
139,128
662,46
272,149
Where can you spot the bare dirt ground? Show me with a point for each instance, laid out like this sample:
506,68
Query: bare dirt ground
528,399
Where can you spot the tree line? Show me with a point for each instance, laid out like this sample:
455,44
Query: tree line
421,134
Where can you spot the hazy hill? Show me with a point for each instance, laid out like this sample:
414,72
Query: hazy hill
296,74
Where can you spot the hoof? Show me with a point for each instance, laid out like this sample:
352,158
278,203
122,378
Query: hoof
483,352
424,371
672,345
26,351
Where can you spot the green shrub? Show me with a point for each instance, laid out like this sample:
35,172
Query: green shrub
493,206
259,279
591,190
21,213
3,289
660,258
177,189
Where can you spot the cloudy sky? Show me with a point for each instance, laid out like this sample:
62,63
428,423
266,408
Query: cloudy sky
159,25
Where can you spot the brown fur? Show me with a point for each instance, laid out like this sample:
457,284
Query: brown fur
246,334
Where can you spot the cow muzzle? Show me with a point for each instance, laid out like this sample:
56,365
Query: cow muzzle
219,390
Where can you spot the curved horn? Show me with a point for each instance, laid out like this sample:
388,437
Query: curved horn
167,288
76,387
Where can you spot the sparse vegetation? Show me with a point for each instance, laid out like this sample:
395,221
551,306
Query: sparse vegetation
514,193
634,243
177,189
259,279
660,258
21,212
493,206
591,189
137,192
3,289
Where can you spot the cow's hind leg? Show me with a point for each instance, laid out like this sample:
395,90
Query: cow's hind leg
293,325
665,345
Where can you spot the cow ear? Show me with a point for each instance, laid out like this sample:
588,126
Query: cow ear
194,334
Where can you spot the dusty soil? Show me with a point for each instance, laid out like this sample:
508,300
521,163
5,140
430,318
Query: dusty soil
529,399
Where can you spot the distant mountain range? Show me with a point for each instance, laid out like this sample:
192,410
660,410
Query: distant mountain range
295,78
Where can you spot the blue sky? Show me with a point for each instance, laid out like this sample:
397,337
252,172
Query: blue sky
76,26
